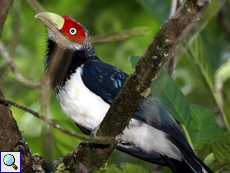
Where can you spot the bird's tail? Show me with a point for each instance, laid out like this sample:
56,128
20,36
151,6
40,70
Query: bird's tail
190,163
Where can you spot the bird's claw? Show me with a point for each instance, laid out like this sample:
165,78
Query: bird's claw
94,132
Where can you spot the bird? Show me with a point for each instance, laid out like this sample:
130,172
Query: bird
85,87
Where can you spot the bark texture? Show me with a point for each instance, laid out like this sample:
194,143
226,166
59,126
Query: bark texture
11,138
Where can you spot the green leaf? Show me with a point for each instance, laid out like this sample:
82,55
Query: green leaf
221,150
125,168
165,89
198,53
133,60
158,9
131,168
213,46
203,128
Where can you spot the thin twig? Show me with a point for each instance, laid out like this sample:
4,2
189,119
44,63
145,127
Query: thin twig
36,6
188,136
22,79
100,140
121,35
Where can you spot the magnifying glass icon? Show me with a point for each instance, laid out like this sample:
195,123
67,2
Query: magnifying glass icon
9,160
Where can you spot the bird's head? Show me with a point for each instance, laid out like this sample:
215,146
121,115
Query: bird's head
65,31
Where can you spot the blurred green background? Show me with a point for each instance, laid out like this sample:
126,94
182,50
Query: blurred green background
101,17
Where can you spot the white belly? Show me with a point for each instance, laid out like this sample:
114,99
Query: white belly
88,110
150,139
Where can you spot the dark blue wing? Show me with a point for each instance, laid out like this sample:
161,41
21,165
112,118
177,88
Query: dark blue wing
103,79
152,157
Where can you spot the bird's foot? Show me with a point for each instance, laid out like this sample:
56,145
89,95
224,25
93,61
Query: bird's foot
94,131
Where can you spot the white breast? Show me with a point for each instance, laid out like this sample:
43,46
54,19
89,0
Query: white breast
80,104
88,110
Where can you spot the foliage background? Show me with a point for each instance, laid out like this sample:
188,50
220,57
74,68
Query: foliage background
204,60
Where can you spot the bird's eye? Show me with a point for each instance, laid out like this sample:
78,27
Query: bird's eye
72,31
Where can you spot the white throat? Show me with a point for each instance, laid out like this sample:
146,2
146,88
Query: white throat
80,104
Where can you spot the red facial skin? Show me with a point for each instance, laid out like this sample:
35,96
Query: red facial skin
79,36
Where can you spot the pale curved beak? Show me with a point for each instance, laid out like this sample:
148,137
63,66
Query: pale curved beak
51,20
